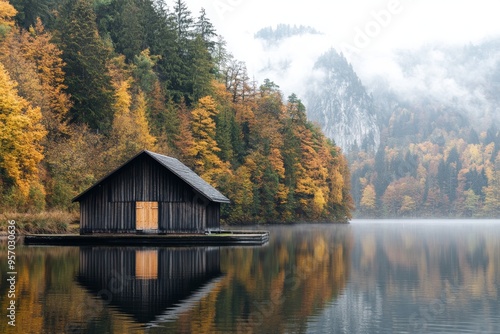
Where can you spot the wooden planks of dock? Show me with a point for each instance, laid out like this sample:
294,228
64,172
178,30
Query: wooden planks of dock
213,238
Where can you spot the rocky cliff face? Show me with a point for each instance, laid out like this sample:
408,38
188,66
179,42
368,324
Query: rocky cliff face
339,103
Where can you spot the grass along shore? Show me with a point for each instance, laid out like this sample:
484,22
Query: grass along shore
50,222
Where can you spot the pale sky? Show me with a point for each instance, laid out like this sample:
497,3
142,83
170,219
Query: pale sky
411,22
366,31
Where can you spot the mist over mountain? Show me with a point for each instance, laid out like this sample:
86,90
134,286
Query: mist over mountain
296,58
347,100
461,79
419,126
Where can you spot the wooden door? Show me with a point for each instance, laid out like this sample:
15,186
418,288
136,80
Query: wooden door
146,264
146,215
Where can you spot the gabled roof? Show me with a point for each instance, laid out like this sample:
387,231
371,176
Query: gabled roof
177,168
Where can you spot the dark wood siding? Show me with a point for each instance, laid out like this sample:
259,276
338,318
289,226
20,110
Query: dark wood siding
213,215
111,274
110,206
146,180
183,217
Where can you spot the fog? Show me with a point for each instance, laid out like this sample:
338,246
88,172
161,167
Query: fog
411,48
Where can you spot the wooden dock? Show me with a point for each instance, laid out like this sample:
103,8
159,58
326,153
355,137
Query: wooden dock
214,238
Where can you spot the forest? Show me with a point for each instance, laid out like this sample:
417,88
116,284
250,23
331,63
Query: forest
430,164
87,84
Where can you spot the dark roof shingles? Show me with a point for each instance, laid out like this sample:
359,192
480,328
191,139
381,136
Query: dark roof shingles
190,177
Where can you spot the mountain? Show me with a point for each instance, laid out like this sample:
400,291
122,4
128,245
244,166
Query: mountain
437,109
339,103
297,57
419,126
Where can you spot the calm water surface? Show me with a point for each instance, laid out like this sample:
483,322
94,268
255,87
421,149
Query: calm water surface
366,277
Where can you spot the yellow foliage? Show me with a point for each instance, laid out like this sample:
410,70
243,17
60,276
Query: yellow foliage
243,194
319,202
144,138
130,131
276,160
408,205
35,63
337,185
368,198
20,134
221,93
305,184
244,114
204,146
282,193
185,141
37,47
7,12
123,99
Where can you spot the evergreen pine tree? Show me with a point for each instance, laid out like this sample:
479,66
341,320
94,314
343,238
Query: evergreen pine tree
206,30
86,56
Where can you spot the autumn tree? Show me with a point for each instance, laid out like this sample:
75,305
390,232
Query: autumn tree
368,200
115,77
408,206
21,133
130,130
308,170
22,70
37,47
184,142
242,191
471,204
205,149
74,164
7,12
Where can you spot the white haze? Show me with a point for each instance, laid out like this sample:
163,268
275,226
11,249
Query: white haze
372,35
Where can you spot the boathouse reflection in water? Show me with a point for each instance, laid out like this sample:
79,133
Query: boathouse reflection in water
150,284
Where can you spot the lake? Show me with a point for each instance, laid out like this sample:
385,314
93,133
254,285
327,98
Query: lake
384,276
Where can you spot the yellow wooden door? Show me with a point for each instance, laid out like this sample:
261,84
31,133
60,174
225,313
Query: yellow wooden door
146,264
146,215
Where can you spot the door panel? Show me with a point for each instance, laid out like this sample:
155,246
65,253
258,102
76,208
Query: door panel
146,215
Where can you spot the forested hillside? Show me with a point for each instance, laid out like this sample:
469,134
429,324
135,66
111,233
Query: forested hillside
420,127
440,142
87,84
429,165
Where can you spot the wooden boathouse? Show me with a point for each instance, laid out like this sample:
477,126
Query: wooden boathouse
150,193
